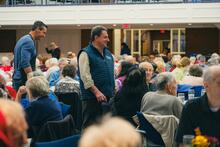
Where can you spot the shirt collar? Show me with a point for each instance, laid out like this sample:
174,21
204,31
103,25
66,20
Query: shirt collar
205,104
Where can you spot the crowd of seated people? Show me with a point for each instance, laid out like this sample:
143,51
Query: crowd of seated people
149,86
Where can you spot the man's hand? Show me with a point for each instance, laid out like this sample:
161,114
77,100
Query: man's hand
22,90
98,94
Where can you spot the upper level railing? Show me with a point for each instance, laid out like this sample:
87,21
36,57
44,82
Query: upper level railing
15,3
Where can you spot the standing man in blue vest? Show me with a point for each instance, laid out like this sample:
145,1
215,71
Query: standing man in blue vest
25,54
96,71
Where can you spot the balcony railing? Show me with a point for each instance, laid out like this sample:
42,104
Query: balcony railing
15,3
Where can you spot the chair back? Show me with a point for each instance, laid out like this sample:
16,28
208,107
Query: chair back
66,109
71,141
184,88
54,130
151,133
198,90
166,125
72,99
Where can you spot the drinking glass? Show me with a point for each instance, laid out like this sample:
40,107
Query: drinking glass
181,96
187,140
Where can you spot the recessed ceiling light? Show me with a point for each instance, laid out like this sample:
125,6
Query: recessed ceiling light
78,25
189,24
151,24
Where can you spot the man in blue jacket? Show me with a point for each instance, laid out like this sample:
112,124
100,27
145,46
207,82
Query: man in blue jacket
96,71
25,54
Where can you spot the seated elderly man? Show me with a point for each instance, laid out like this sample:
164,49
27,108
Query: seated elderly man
203,112
41,108
164,100
195,76
12,124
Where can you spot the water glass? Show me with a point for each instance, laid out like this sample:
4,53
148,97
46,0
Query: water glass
187,140
191,94
181,96
202,92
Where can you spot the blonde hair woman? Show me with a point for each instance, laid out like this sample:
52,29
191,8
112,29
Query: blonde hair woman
182,69
113,132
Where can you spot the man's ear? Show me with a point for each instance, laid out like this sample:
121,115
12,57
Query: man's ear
96,37
168,89
205,85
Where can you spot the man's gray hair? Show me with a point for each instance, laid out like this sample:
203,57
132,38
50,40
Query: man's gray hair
142,65
164,79
38,86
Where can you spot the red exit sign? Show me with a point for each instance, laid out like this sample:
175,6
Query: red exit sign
125,26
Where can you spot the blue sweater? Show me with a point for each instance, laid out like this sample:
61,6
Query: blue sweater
40,111
102,72
24,56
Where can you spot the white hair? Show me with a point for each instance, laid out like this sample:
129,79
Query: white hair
208,74
51,62
214,55
5,60
164,79
38,86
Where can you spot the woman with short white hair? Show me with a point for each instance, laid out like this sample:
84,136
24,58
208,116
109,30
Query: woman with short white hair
41,108
6,65
53,73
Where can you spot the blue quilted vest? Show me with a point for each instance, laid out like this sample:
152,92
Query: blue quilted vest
102,72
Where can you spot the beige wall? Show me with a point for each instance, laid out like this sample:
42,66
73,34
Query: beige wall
68,40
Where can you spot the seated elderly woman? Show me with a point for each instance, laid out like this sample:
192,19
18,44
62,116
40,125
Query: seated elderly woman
67,84
53,72
41,108
62,63
122,71
113,132
164,100
150,75
9,91
195,76
6,65
12,124
25,100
